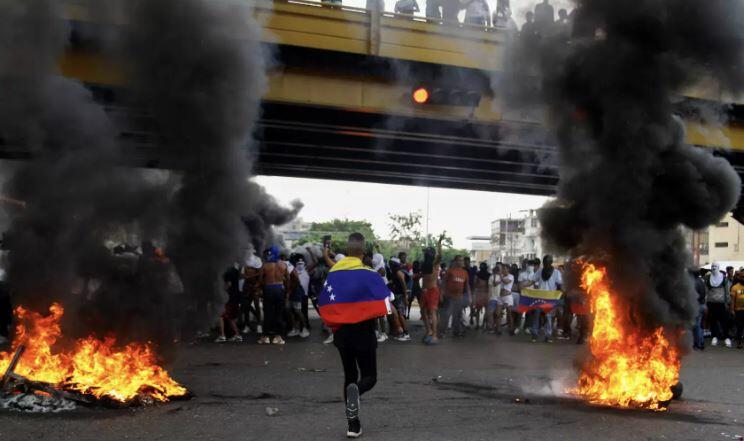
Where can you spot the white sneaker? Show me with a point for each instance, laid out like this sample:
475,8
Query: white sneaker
403,337
382,337
277,340
305,333
329,340
293,333
727,342
235,339
246,330
714,342
220,339
259,329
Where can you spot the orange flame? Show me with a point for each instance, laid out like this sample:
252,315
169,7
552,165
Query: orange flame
628,367
93,366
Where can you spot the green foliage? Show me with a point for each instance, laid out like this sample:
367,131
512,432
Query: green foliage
406,229
406,235
339,230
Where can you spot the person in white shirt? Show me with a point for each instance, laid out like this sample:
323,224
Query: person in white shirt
547,279
506,300
493,300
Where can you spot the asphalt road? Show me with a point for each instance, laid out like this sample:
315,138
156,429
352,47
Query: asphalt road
460,390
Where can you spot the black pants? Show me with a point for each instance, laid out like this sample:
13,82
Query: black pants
273,309
739,325
357,346
718,320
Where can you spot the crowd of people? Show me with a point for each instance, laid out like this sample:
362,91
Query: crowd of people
272,296
721,300
478,13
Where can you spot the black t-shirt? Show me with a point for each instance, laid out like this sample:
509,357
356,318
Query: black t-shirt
700,289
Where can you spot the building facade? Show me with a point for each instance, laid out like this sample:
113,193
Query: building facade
514,239
292,232
718,243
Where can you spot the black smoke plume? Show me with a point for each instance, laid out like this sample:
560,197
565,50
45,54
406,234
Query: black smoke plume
75,197
628,180
198,68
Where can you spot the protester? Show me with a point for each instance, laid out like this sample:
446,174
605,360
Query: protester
718,301
503,8
457,289
378,265
547,279
529,33
353,297
544,17
737,307
416,289
701,291
524,280
506,300
477,13
275,281
494,293
472,271
250,302
299,288
399,289
434,11
231,279
483,277
431,294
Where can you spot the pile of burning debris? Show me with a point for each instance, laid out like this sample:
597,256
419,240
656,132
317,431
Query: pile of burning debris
92,372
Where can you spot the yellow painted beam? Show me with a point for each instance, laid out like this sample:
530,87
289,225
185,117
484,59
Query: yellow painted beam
364,94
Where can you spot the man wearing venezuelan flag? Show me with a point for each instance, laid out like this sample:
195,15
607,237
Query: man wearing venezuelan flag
353,297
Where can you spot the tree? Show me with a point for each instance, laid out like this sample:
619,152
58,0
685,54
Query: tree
339,230
407,235
405,229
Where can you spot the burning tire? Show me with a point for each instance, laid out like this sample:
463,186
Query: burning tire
677,390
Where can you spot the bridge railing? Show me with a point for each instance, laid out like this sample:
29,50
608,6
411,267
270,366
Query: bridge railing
329,26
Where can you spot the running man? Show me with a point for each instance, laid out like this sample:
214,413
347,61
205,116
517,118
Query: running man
353,297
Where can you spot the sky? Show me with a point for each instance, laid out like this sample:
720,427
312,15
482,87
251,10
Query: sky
461,213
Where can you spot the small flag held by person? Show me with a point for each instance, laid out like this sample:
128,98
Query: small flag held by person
531,299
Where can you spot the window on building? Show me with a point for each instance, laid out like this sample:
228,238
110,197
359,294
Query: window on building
502,239
722,225
721,244
534,222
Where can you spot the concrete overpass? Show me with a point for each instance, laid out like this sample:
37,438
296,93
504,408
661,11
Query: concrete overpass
338,104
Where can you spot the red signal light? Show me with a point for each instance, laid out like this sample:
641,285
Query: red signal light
420,95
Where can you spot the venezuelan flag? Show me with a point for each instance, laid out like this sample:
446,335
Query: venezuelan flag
352,293
530,299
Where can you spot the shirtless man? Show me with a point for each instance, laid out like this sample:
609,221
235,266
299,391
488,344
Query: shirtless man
431,294
275,281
